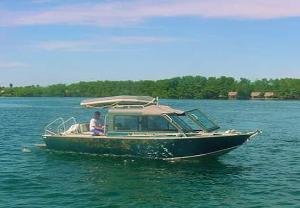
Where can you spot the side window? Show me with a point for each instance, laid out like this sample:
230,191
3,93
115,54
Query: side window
126,123
156,123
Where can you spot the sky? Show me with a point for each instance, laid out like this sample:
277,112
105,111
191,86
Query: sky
52,41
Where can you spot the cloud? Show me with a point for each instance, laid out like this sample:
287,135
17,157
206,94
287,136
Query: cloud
141,39
101,44
41,1
64,45
12,65
120,13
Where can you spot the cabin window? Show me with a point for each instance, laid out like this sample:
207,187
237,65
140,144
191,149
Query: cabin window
126,123
156,123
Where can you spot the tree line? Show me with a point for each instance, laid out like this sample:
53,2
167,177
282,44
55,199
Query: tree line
187,87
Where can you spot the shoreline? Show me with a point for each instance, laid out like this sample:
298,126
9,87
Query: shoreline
186,87
84,97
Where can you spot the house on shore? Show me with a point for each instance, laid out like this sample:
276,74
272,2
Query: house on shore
257,95
269,95
232,95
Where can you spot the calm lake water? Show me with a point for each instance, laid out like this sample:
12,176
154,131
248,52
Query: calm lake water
264,172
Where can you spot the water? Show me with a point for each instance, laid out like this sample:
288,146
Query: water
262,173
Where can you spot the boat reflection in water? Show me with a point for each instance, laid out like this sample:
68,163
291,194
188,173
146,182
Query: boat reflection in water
139,126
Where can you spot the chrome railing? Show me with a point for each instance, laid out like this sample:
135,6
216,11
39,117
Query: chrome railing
59,126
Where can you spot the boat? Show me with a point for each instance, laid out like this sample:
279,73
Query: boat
139,126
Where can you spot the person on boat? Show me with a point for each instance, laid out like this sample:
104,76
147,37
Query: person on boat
96,124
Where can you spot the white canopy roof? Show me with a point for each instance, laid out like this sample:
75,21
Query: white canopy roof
118,100
148,110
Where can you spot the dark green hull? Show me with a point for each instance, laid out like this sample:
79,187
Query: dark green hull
145,147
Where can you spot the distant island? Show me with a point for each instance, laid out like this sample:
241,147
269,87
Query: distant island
187,87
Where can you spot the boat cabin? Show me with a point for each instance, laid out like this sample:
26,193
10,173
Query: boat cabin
143,116
156,119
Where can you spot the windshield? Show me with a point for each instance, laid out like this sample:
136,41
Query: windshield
201,119
193,125
183,125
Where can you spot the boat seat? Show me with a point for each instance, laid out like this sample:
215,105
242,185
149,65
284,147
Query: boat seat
74,129
84,128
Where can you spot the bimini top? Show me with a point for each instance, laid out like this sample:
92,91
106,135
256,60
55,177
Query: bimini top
118,100
148,110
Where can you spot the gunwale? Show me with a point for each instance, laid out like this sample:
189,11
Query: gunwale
155,137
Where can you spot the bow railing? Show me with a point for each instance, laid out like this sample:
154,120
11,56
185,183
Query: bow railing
59,126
